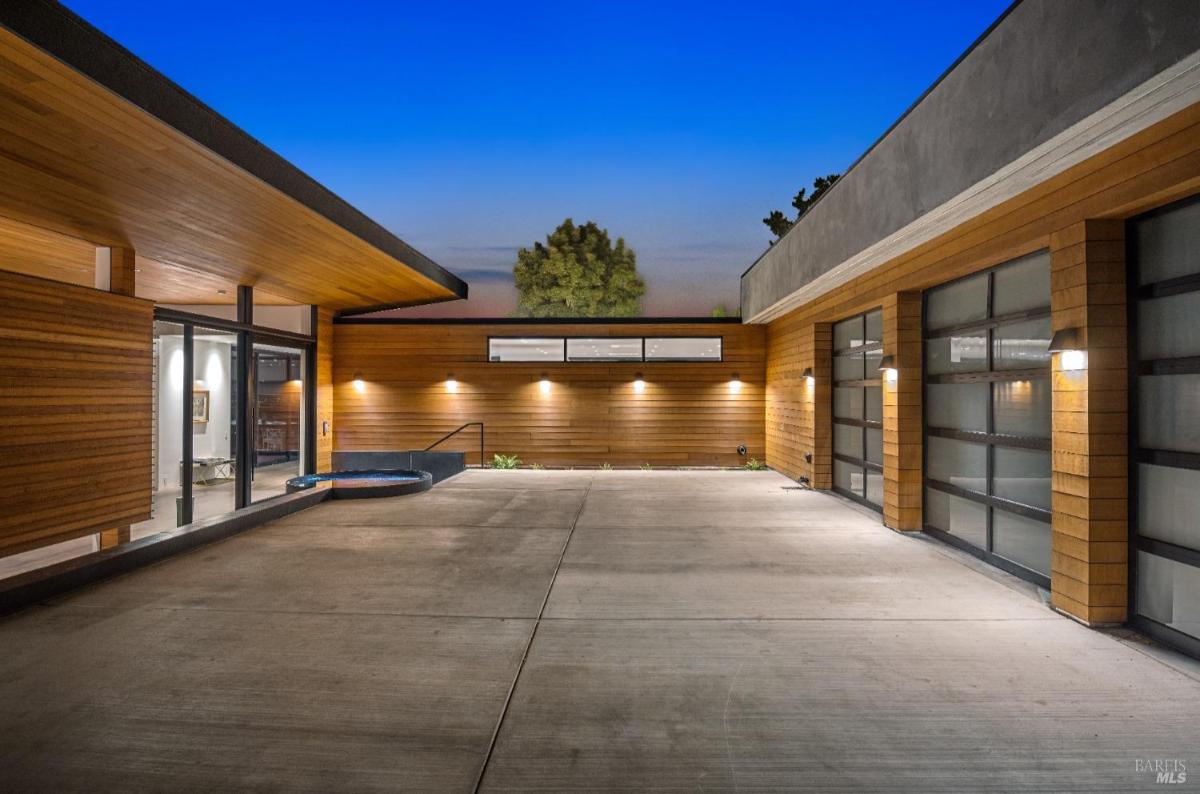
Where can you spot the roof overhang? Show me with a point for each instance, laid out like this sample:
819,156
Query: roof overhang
97,147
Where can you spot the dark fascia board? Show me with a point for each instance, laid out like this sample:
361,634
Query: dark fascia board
908,111
66,36
345,320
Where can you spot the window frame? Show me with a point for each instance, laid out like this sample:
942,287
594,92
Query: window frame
863,424
644,359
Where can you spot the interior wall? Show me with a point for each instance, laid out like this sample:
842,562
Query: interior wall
75,404
687,416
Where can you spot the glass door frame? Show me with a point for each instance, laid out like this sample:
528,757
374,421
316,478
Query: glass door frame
864,425
247,334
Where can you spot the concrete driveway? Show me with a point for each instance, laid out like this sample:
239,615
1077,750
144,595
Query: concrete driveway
557,631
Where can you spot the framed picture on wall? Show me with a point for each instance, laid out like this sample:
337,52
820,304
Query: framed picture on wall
199,406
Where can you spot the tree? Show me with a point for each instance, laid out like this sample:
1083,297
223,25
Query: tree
578,272
779,223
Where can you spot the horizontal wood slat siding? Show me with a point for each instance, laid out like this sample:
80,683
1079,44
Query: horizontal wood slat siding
75,408
686,416
324,333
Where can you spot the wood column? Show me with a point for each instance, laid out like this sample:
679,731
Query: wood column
324,332
902,428
114,537
818,401
116,269
1090,538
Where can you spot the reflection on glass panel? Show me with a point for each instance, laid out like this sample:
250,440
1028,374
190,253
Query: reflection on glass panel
874,335
875,488
848,402
1169,592
958,353
1167,243
874,438
1022,540
1169,327
874,403
611,349
683,349
960,302
957,463
538,349
1169,504
1169,412
960,517
1022,408
1022,475
871,370
1022,285
278,418
1022,345
848,477
848,333
214,422
847,440
958,406
848,367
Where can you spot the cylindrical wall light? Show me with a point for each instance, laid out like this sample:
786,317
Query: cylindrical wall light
1067,344
544,384
359,385
639,385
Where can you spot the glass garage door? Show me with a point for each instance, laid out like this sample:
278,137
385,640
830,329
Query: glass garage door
1165,467
987,415
858,409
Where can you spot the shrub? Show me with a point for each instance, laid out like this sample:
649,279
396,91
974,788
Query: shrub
754,464
505,461
536,466
647,467
605,467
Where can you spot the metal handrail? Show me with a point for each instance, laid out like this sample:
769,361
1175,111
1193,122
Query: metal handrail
458,430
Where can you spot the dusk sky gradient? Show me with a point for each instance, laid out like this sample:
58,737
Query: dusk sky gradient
471,130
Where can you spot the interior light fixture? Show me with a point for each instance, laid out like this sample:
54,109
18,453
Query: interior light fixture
359,385
639,385
735,384
451,384
887,365
1066,342
544,384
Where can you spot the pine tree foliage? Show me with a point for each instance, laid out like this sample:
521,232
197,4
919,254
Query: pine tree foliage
578,272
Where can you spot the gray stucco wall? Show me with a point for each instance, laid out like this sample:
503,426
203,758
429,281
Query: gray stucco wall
1042,68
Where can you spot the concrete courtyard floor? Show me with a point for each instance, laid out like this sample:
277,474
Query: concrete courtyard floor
560,631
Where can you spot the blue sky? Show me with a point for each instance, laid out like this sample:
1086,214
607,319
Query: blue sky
471,129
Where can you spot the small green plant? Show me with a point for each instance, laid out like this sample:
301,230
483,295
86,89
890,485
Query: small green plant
647,467
536,466
754,464
605,467
505,461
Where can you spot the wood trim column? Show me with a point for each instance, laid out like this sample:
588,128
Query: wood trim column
1090,538
902,428
818,422
324,333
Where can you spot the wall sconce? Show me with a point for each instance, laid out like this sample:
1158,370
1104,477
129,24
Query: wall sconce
887,365
1066,343
451,384
735,385
639,385
808,376
544,384
359,385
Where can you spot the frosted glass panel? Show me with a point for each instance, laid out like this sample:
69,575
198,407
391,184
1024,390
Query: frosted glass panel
875,445
960,302
848,367
848,477
875,488
668,348
1022,345
1169,592
959,517
1169,504
1167,244
874,403
848,333
957,353
848,402
1022,475
1022,540
530,349
1023,408
1169,327
958,406
847,440
604,349
874,328
1169,412
957,463
1022,285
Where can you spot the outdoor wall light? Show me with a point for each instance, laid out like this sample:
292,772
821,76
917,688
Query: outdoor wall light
451,384
1066,343
808,376
639,385
544,384
735,385
359,385
887,365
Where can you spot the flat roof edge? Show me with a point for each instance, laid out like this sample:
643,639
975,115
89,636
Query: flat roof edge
53,28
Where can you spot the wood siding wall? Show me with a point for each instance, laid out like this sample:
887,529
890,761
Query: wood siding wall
1157,166
324,332
75,408
687,415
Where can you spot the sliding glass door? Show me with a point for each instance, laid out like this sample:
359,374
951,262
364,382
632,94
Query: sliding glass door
278,417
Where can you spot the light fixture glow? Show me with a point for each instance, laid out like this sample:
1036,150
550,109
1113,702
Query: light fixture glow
451,384
807,374
1072,356
544,385
887,365
639,385
735,384
1072,360
359,385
